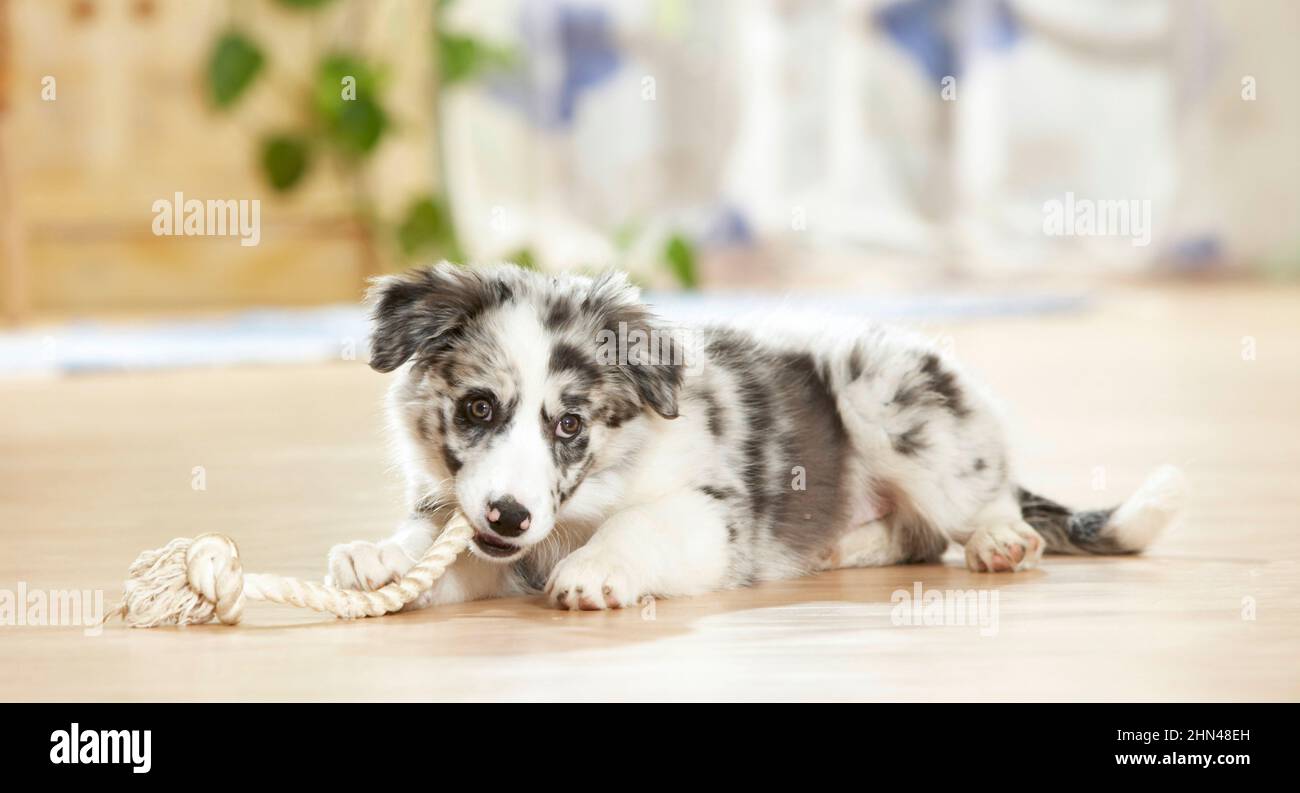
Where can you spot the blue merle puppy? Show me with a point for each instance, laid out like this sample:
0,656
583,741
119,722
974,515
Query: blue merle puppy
603,456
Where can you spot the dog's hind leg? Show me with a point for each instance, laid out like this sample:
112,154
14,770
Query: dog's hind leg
1000,540
894,539
871,545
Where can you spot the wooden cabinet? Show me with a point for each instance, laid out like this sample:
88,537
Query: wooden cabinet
124,121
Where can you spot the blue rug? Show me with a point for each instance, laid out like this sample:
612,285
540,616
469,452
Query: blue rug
280,336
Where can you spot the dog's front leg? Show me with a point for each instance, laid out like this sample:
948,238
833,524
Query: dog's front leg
674,546
370,565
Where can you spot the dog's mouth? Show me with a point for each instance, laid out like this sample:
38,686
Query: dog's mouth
495,546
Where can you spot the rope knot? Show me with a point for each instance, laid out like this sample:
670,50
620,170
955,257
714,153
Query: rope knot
214,571
185,582
188,582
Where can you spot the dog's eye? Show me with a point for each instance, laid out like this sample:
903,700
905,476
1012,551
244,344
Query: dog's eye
568,426
479,410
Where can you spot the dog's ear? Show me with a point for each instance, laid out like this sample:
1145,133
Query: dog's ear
657,384
415,311
653,363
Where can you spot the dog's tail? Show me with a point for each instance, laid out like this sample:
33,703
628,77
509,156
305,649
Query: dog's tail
1128,528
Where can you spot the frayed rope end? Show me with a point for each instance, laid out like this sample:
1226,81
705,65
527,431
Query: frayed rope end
186,582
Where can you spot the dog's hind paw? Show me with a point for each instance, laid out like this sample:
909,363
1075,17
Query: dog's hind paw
1004,548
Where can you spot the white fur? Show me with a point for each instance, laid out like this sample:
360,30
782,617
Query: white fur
1154,506
517,465
640,524
1001,541
674,545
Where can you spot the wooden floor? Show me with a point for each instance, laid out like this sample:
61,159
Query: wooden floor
95,468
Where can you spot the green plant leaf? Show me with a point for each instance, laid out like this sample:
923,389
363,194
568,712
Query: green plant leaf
625,235
285,159
679,253
461,57
236,60
360,126
524,258
345,99
427,226
328,91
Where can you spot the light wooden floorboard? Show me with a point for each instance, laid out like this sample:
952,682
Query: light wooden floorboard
95,468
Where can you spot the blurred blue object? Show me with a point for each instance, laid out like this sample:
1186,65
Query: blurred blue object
727,227
340,333
931,30
581,39
1196,254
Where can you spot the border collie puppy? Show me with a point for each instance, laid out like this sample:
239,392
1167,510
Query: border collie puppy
603,455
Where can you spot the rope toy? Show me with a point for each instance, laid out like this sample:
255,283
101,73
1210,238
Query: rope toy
188,582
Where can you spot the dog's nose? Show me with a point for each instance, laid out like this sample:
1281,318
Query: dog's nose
507,517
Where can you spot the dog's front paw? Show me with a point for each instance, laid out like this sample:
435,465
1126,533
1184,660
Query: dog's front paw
366,565
592,579
1004,547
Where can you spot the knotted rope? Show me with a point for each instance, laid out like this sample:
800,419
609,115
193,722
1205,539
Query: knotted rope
191,581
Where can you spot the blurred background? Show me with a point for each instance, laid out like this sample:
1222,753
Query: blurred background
915,154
